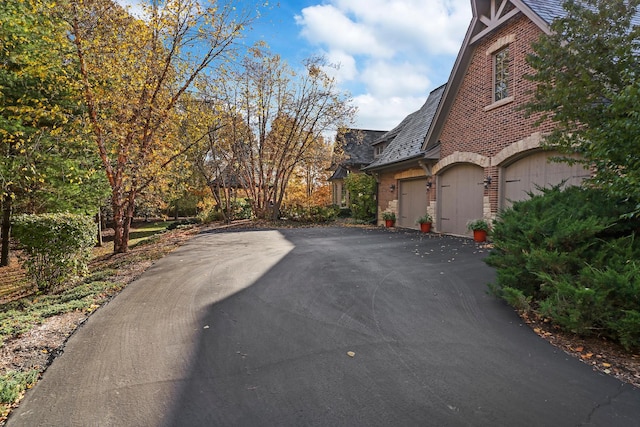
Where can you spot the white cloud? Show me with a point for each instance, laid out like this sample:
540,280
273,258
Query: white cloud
393,50
388,79
378,113
326,25
343,65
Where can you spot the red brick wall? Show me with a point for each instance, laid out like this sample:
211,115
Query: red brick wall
387,200
468,127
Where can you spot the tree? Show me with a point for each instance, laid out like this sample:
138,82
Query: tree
309,185
43,166
277,117
212,133
588,85
134,73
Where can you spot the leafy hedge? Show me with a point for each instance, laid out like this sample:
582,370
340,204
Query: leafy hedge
57,246
362,190
570,256
312,214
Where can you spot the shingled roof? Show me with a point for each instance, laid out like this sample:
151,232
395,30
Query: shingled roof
406,139
552,9
546,9
353,149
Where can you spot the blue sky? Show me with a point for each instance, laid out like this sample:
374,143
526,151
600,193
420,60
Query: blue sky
392,53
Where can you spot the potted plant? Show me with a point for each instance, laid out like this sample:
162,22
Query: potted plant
425,223
389,218
480,228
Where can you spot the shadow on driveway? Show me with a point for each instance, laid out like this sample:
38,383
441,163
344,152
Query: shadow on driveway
370,327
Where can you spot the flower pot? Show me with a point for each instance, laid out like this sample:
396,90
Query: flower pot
479,235
389,223
425,227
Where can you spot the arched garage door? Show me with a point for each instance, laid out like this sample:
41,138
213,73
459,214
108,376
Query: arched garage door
461,189
522,176
413,202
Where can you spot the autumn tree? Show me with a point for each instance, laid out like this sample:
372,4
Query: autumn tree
285,113
309,185
45,165
586,72
211,133
134,71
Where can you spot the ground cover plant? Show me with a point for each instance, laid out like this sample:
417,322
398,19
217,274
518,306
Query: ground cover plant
572,257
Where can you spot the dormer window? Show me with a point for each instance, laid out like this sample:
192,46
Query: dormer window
501,74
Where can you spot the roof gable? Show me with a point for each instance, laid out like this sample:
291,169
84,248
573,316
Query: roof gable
488,16
355,145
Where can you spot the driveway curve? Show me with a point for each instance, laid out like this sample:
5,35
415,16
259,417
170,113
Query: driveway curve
318,327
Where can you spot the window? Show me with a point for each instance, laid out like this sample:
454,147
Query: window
501,74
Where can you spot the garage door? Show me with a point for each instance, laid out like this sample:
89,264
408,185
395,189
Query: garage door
461,191
523,175
413,202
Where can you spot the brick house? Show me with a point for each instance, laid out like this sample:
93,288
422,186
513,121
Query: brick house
352,151
480,152
490,153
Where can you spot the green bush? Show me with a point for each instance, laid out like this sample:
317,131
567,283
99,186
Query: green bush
183,223
362,202
570,256
312,214
57,246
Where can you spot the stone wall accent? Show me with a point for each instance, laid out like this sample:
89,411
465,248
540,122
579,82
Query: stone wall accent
529,143
410,173
461,157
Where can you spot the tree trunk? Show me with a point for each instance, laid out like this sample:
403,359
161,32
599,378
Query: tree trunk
99,224
120,245
6,230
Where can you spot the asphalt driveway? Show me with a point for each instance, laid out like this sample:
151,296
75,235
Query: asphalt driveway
320,327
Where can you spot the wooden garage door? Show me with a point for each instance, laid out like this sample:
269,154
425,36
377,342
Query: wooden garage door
523,175
461,190
413,202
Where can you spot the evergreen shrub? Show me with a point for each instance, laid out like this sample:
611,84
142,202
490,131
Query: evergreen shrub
570,255
57,246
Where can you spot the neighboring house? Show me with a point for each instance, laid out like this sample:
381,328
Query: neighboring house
402,168
480,153
352,151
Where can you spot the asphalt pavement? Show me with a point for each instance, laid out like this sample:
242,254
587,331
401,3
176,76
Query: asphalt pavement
319,327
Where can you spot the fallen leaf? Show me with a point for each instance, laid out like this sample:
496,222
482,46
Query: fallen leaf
606,365
579,349
350,353
537,330
586,356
